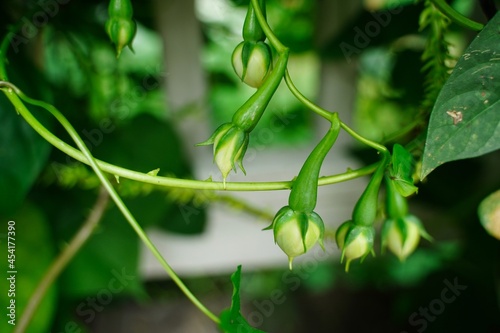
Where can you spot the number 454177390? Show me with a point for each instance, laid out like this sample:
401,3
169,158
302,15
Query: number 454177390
11,244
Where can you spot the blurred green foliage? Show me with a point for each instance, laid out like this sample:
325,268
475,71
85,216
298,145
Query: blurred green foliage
34,250
119,109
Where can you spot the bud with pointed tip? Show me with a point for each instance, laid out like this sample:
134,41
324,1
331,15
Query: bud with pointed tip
355,237
230,140
402,235
355,241
120,26
297,227
230,144
401,231
297,232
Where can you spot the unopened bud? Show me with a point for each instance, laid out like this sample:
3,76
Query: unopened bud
297,232
252,62
402,235
121,31
230,144
354,241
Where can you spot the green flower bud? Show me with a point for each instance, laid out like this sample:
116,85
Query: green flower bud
230,144
297,232
401,232
402,235
354,241
252,62
230,140
489,214
120,26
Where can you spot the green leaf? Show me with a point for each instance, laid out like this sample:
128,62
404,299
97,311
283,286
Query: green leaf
23,154
107,264
465,120
139,138
231,320
402,170
389,4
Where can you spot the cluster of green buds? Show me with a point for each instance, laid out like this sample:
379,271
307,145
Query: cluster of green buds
297,228
252,58
401,231
120,26
355,237
230,140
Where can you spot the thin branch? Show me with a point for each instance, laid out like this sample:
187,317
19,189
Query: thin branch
304,100
60,263
11,93
456,17
116,198
275,42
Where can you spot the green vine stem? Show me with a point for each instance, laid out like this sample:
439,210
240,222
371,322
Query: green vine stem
456,17
304,100
13,91
58,265
168,181
275,42
328,115
82,154
377,146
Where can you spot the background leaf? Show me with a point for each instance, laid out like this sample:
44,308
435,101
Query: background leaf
402,169
115,246
465,120
231,319
23,154
150,143
112,250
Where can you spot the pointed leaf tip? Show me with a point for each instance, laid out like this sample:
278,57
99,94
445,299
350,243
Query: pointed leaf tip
465,117
231,320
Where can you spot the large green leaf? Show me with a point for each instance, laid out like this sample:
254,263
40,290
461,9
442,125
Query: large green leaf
22,156
465,121
231,320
